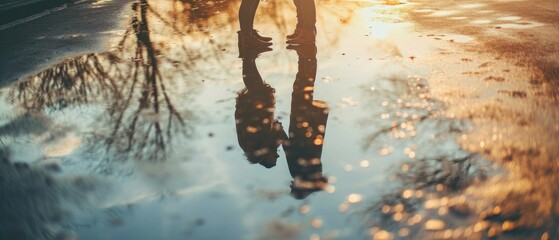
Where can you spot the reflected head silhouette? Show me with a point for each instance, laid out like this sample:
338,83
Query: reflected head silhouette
258,132
307,128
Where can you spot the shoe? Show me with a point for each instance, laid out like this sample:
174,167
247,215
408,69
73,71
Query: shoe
265,39
251,40
304,51
294,34
304,37
247,52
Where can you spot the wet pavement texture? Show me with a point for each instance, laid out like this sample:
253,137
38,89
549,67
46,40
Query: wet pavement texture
406,120
32,44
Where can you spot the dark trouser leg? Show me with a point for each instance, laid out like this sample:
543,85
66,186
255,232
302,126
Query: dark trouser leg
306,14
253,11
246,15
309,15
299,9
247,35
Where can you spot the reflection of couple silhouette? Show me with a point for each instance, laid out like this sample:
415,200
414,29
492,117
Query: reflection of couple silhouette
260,134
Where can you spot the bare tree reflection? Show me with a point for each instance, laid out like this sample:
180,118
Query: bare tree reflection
72,82
432,193
144,134
423,179
140,110
427,176
413,122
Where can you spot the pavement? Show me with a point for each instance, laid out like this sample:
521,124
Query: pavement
40,41
14,10
498,68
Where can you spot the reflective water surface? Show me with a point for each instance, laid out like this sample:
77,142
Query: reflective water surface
175,134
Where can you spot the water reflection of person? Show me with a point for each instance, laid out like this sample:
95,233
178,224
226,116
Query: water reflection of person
258,132
307,127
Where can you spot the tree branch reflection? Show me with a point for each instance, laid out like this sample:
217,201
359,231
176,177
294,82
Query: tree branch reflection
140,109
144,134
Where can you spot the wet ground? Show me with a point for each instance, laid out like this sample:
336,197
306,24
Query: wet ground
407,120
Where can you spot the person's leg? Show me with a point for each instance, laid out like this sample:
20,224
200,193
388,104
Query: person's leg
253,10
307,15
305,33
299,9
254,32
247,36
246,15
